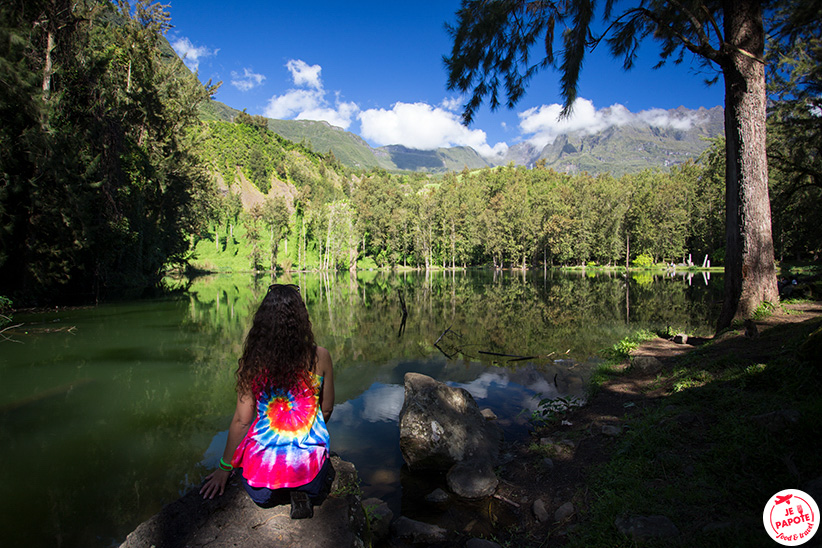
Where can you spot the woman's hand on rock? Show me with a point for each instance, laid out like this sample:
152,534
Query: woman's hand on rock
214,484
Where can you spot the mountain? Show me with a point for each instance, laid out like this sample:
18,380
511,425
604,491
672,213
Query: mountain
652,139
353,151
659,139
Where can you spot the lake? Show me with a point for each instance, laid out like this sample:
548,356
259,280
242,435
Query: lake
109,412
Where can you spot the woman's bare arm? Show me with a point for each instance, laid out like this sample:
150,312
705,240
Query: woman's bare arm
326,368
244,415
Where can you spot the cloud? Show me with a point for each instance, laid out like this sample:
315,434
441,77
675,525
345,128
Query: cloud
541,125
308,101
658,117
190,53
383,402
248,80
421,126
305,74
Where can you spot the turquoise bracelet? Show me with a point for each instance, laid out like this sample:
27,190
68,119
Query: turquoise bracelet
224,466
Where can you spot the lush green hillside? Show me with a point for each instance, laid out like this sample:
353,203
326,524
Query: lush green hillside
322,137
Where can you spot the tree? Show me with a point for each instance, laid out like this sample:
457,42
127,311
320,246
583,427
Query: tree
98,181
492,42
795,127
274,215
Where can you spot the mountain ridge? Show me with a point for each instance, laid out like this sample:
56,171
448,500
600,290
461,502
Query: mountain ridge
647,140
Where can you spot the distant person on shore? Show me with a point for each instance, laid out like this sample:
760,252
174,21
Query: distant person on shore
278,439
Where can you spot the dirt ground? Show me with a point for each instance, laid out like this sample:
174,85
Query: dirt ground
579,445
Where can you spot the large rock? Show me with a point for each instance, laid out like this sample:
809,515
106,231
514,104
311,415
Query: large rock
472,479
379,518
234,520
441,426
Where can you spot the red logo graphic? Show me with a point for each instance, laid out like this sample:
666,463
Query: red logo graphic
791,517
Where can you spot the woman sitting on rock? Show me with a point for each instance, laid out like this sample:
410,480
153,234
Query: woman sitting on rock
278,439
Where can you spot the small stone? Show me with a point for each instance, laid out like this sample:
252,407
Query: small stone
717,526
686,419
548,463
646,364
488,414
777,420
611,430
642,528
539,510
681,338
814,488
436,496
564,512
417,531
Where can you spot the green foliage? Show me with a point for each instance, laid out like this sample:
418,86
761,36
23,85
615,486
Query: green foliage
554,410
643,261
5,310
622,349
100,187
763,310
795,129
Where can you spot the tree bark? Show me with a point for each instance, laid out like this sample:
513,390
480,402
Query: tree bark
48,66
750,273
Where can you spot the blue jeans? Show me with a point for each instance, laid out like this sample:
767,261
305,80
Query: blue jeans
266,498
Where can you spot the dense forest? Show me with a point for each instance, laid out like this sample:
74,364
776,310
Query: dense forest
110,178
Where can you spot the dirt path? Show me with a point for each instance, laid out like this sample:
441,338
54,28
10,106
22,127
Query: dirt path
589,434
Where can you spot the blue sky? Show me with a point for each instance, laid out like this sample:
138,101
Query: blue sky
375,69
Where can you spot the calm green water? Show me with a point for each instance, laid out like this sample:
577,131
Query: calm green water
107,413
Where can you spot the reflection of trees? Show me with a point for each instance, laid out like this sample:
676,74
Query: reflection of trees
357,315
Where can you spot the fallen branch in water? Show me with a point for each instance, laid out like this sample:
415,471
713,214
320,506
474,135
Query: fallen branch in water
5,338
35,330
70,329
540,357
437,345
513,357
507,355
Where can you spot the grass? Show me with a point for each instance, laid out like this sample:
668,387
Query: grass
614,357
699,457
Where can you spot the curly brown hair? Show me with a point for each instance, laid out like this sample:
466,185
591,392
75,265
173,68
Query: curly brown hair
279,349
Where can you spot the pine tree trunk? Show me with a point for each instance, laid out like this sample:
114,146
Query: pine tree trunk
750,274
48,66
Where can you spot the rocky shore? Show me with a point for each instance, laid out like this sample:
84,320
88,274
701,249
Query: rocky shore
491,493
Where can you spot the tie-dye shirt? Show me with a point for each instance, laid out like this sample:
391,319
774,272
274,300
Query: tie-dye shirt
288,442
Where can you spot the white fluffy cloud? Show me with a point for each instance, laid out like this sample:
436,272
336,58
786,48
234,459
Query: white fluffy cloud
190,53
247,80
304,74
421,126
541,125
308,100
662,118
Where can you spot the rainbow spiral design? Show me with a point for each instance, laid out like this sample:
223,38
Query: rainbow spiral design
288,442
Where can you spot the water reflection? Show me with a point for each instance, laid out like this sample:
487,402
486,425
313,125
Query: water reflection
126,411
